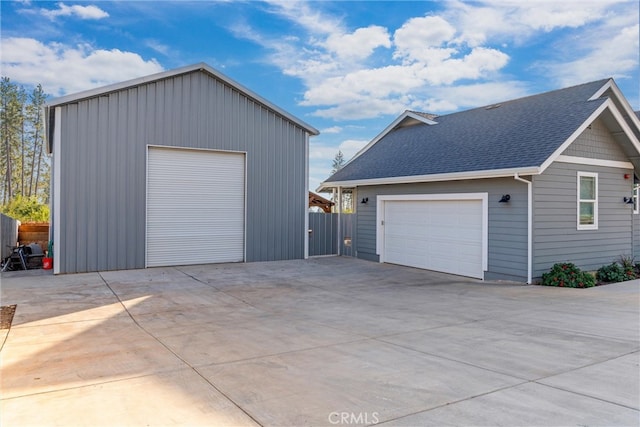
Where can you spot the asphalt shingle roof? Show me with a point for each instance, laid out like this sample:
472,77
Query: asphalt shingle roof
513,134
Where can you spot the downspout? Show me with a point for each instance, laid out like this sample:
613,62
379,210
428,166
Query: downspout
339,205
529,226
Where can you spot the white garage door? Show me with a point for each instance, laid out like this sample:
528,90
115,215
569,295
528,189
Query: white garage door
195,206
440,235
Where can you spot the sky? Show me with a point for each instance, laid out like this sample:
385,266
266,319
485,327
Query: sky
347,68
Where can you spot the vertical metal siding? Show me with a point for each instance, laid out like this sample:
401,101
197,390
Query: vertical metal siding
507,251
322,239
103,173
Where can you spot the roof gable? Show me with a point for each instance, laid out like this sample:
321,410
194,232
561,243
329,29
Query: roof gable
519,136
200,67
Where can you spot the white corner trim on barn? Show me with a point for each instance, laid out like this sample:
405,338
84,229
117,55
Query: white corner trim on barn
195,206
440,232
57,189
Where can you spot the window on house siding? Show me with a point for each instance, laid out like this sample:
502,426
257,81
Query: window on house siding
636,201
587,201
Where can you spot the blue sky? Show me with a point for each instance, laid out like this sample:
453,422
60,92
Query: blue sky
348,68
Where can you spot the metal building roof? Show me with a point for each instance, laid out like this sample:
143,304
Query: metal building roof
175,72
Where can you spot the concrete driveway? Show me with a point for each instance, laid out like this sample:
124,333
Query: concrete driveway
328,341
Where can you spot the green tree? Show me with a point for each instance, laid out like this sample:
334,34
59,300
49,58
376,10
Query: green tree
347,197
23,165
38,168
338,162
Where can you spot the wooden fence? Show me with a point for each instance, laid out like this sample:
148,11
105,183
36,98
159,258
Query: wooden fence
34,232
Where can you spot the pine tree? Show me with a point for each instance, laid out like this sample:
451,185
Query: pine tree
24,168
338,162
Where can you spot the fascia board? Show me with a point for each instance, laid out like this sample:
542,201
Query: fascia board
611,84
456,176
552,158
607,105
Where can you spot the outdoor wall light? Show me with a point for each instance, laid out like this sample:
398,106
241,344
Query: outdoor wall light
365,200
628,200
505,198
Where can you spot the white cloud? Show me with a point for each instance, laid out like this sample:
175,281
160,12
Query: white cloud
82,12
478,63
322,154
422,39
605,53
462,45
350,147
453,98
332,129
360,44
65,69
157,46
517,20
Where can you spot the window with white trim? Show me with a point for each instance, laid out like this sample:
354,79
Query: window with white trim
636,202
587,201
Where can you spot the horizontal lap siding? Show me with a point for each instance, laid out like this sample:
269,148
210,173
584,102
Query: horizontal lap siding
556,237
103,168
507,221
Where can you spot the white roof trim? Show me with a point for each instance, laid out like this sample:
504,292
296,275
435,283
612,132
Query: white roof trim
594,162
611,84
455,176
175,72
392,126
607,105
552,158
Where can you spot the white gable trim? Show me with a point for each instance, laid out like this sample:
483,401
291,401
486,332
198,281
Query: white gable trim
608,104
594,162
611,84
392,126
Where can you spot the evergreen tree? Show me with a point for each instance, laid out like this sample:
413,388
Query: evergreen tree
23,165
338,162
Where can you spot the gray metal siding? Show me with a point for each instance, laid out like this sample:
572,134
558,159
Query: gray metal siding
556,237
323,238
507,221
596,142
103,168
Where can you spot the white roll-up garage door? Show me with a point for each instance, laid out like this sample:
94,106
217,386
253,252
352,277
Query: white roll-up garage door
195,206
441,235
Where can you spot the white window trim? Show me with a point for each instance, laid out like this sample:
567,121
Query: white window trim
593,226
636,199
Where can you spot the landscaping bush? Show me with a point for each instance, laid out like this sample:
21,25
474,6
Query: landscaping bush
615,272
569,276
26,209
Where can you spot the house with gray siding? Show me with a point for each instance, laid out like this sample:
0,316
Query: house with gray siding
175,168
502,191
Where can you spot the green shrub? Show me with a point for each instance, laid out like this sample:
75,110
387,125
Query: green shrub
26,209
629,266
614,272
569,276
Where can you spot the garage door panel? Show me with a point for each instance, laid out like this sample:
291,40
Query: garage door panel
195,207
441,235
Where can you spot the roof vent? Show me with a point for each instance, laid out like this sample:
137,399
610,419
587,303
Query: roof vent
493,107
